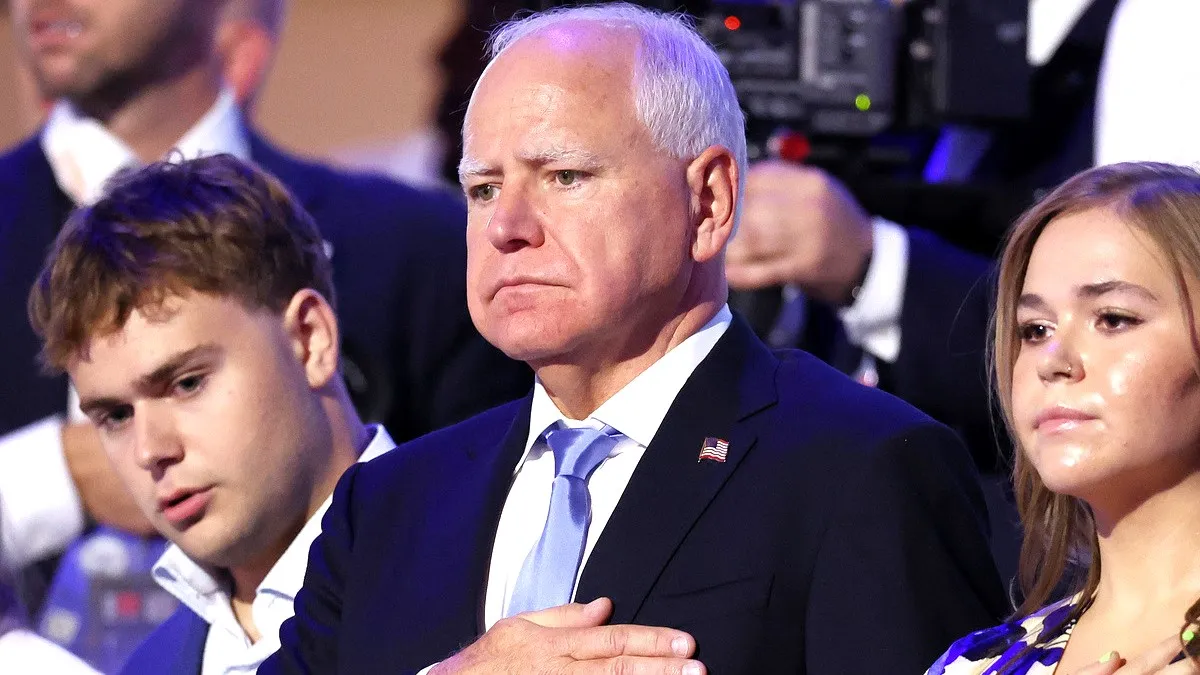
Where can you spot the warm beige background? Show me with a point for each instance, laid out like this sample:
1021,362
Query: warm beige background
350,73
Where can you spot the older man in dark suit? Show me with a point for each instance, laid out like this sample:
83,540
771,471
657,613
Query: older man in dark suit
786,519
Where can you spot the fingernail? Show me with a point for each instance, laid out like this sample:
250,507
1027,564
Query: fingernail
1109,656
680,646
692,668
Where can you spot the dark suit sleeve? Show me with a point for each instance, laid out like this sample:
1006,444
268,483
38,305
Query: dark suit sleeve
309,640
942,366
903,569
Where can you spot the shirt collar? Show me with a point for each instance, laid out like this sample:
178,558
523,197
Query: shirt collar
203,588
83,154
638,409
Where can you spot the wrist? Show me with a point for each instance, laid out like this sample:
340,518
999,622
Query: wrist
850,295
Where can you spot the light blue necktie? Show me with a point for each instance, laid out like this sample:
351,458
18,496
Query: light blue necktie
547,578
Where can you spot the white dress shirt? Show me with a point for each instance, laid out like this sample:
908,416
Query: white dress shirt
872,321
636,411
1149,87
23,652
40,509
228,650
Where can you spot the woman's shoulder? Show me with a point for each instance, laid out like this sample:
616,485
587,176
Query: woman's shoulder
1035,642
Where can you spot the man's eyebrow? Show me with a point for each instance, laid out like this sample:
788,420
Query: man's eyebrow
470,167
156,379
170,368
580,158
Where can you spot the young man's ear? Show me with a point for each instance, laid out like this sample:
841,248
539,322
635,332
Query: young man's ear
713,180
311,325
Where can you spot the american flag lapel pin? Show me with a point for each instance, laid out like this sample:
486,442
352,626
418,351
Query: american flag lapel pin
713,449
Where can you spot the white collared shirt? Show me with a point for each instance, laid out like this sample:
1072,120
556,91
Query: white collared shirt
84,155
41,512
636,411
228,650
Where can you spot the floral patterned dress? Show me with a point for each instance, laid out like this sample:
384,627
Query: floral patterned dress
1005,648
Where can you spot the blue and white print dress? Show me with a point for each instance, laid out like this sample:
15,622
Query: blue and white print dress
1005,648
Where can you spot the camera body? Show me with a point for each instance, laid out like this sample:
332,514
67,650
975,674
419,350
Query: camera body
855,69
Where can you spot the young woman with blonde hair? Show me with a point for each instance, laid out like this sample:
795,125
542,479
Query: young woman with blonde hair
1096,357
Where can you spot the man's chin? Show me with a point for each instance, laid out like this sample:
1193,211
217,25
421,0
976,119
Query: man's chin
207,552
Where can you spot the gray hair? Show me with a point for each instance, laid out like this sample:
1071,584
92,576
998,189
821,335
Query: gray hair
681,90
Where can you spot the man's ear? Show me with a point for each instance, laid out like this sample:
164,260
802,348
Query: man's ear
246,48
713,181
311,326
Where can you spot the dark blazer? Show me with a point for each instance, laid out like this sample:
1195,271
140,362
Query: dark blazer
843,534
413,359
174,648
941,368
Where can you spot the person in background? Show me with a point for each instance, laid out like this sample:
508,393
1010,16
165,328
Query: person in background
193,308
1096,347
132,80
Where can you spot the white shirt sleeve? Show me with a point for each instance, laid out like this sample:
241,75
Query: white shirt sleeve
1147,94
40,509
873,321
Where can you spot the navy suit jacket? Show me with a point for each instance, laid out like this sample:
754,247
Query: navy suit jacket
942,364
174,648
413,359
842,535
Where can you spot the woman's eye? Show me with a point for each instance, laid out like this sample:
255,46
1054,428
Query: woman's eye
1033,332
1112,321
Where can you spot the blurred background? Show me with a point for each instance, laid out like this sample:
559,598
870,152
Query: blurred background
357,82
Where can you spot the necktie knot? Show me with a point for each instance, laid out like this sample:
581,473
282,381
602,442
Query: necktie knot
578,451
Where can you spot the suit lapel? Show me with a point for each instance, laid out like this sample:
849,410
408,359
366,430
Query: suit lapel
455,527
189,653
501,461
174,648
670,488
